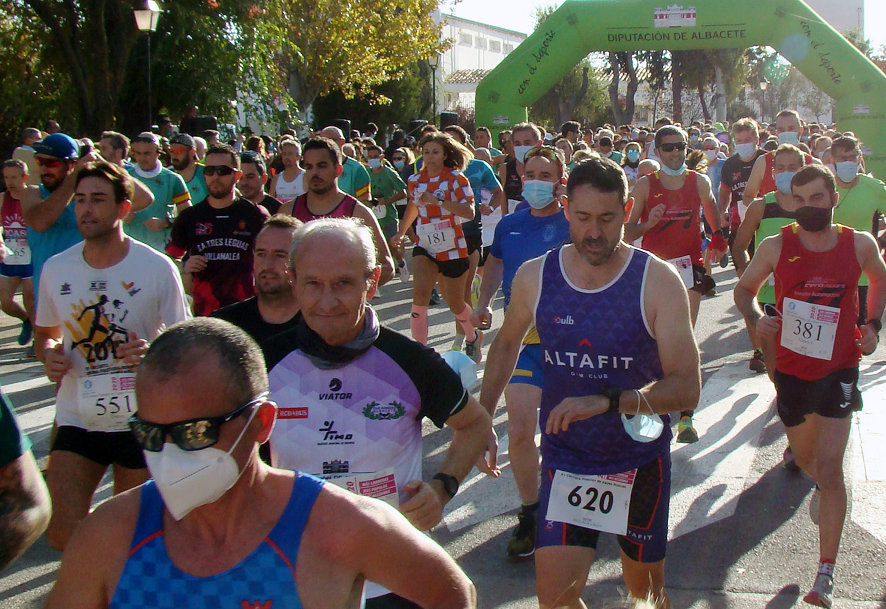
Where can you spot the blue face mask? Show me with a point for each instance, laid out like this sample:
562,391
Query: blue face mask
633,155
789,137
399,164
520,152
783,181
673,172
538,193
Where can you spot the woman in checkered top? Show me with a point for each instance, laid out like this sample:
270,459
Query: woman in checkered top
440,198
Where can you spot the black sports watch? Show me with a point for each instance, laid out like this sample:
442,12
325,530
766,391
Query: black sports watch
612,392
876,323
450,483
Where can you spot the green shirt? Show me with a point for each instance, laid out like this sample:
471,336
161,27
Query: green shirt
197,186
354,178
385,184
169,190
859,206
774,218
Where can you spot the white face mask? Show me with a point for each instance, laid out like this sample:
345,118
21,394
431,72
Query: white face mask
188,479
710,155
642,427
374,163
789,137
847,170
520,152
746,151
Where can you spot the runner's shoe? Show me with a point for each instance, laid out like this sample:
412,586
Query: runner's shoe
821,592
686,433
814,505
473,348
757,364
24,337
31,353
404,271
475,291
435,298
522,543
788,462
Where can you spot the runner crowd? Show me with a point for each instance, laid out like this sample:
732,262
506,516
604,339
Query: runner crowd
204,308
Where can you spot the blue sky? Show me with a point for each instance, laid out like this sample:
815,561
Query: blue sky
518,15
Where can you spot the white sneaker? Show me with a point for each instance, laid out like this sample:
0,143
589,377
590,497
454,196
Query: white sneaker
404,271
814,505
822,591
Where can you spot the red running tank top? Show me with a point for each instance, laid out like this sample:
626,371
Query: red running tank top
678,233
768,184
345,209
822,278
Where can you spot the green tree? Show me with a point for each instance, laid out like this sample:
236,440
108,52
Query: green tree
350,45
393,102
88,46
578,95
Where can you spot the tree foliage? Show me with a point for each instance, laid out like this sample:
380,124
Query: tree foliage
578,95
350,45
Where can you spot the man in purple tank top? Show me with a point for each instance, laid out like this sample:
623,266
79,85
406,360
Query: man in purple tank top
617,343
217,527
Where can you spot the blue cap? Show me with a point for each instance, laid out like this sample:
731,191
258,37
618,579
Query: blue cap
59,145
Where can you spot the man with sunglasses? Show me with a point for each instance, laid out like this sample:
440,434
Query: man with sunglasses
519,237
666,215
171,195
183,158
218,235
100,301
216,527
252,182
352,393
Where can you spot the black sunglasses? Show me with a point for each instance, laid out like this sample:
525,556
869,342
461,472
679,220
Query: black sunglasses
193,434
672,147
222,170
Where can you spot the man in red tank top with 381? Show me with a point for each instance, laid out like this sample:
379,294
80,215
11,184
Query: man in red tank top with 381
667,215
817,343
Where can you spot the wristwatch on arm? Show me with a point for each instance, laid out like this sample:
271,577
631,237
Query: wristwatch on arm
613,393
450,483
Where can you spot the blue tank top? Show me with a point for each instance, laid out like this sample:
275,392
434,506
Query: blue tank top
591,339
265,578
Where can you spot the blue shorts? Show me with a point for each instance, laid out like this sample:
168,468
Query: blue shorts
528,370
647,535
25,271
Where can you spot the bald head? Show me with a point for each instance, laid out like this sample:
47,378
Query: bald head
333,133
344,234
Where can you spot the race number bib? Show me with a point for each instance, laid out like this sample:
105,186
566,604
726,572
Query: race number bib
683,264
593,502
106,401
380,211
378,485
17,250
437,237
809,329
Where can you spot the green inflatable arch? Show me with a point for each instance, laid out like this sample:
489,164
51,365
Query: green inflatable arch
793,29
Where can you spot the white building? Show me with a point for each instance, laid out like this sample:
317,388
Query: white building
476,49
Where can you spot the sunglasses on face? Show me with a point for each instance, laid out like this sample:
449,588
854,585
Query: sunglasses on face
193,434
50,163
548,152
672,147
221,170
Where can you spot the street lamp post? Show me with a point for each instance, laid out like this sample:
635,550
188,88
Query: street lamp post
763,85
434,63
146,17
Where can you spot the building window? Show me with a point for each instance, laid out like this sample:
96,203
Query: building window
480,43
508,48
495,46
465,39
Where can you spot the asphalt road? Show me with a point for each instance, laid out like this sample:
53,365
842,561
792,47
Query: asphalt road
740,531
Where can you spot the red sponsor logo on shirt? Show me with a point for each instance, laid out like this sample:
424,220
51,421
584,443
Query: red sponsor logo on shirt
293,413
